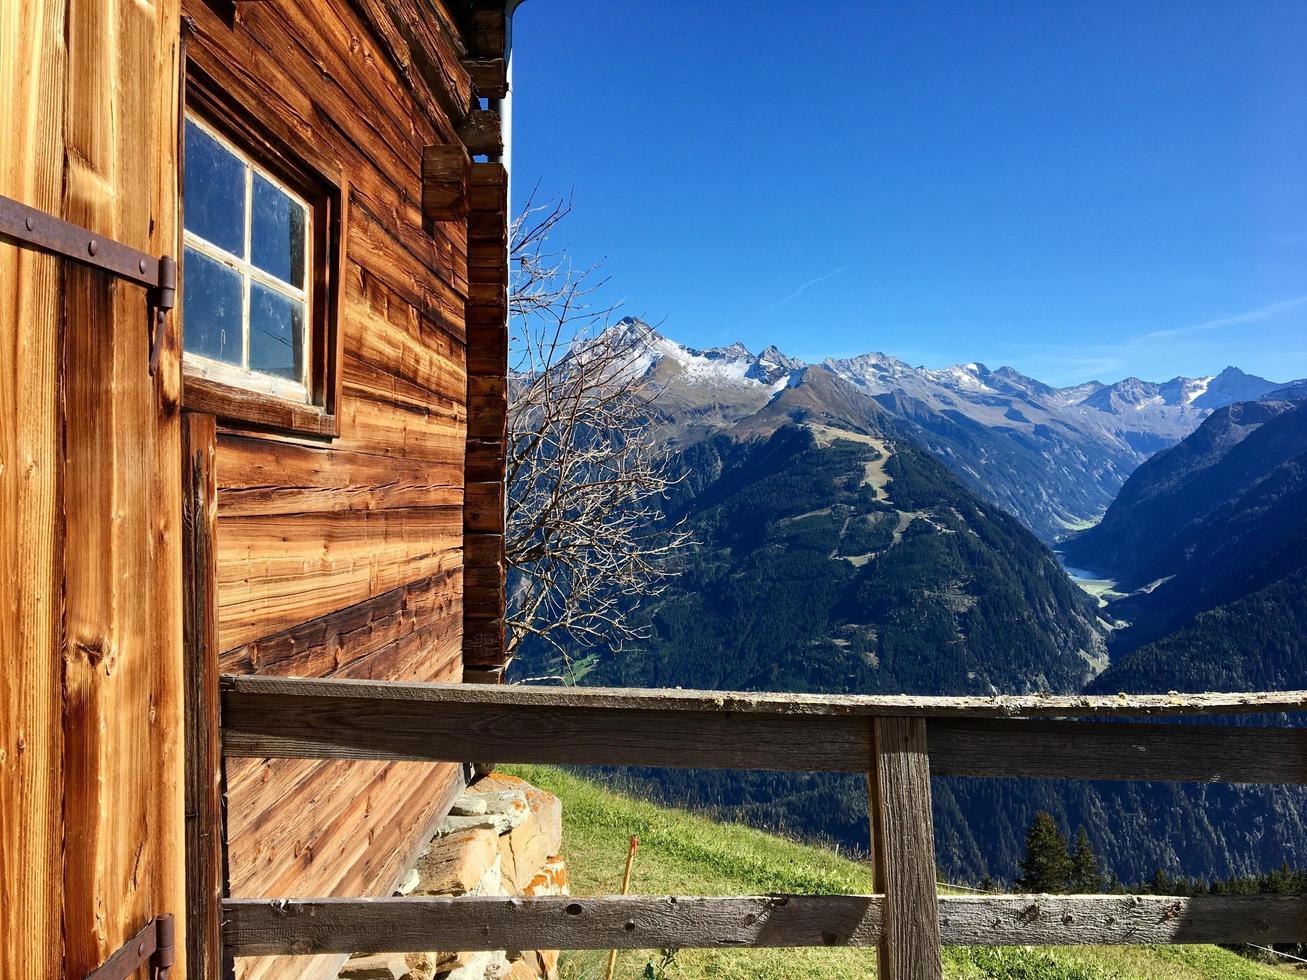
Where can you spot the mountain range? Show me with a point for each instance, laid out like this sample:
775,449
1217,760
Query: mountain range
867,526
1054,457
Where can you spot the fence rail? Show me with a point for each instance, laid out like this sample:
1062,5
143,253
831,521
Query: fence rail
344,925
898,742
269,717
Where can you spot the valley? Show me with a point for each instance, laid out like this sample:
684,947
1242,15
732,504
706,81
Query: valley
865,526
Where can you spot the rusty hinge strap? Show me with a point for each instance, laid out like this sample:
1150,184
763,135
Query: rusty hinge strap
36,229
153,945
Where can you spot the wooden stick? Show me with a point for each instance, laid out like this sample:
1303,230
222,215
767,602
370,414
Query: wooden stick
626,887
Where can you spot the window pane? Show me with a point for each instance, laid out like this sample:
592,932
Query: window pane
277,233
276,333
214,195
211,308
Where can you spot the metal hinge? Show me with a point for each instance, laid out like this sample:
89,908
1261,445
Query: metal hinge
153,945
35,229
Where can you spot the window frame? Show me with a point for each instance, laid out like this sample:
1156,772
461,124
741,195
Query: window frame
234,394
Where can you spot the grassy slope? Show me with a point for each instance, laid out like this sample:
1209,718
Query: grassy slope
684,854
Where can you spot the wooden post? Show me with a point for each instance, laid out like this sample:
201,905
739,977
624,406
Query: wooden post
446,174
205,877
903,849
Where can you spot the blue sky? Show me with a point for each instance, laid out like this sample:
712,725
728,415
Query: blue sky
1078,189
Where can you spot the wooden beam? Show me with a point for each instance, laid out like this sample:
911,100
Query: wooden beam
481,133
807,705
489,76
446,179
303,926
205,852
903,850
1083,750
486,33
308,926
1111,920
313,718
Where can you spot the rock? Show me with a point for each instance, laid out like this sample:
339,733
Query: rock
479,966
492,882
424,966
468,805
382,966
455,864
535,965
524,969
410,882
529,846
551,880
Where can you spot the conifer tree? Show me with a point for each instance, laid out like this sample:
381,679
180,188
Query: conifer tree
1086,876
1047,865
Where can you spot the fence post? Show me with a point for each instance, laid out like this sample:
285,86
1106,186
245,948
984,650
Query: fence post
903,849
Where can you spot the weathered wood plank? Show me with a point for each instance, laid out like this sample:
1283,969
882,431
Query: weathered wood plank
622,922
1109,920
336,643
262,477
424,50
205,851
32,70
123,681
446,173
298,927
903,850
489,77
483,508
278,717
1076,750
481,133
282,570
307,718
858,705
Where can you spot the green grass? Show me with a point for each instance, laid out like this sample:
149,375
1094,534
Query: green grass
689,855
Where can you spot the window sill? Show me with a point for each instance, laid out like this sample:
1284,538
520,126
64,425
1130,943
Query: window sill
236,405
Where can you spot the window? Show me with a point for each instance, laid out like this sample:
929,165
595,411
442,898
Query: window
258,286
248,245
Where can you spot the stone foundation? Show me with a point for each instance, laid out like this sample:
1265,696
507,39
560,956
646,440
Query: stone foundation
502,837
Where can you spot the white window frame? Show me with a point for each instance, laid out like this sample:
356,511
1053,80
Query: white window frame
239,375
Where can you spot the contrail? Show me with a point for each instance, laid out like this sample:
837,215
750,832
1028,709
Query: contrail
794,295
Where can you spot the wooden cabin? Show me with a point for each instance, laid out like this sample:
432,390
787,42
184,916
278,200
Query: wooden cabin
253,269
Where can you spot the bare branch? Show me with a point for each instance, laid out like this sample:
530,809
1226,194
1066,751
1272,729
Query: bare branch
585,535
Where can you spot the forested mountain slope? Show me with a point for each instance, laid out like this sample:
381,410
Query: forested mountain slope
1212,523
838,562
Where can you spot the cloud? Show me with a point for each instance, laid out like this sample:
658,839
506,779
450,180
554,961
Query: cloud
794,295
1065,363
1262,313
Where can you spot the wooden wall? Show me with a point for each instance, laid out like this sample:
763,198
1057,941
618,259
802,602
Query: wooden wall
90,632
344,557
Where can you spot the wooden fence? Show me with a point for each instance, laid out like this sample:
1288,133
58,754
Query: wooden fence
899,742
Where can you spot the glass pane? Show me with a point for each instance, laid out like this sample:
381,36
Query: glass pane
276,333
214,195
211,308
277,233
